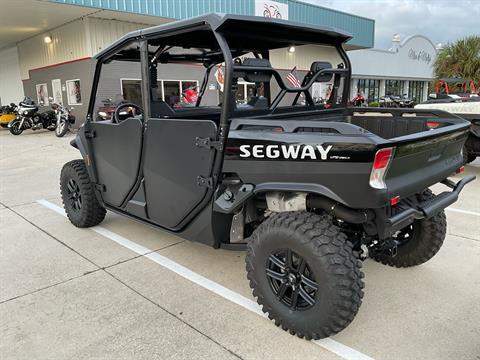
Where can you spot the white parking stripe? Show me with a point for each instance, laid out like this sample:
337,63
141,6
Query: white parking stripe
463,211
334,346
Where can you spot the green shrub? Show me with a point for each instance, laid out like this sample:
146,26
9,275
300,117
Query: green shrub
374,104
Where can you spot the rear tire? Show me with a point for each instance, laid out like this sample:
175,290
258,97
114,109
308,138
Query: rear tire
321,257
78,196
425,240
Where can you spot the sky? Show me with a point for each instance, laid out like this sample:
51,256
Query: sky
442,21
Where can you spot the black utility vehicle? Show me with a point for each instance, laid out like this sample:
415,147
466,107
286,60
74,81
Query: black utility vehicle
310,190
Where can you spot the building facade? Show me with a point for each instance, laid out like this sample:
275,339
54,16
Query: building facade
405,69
57,62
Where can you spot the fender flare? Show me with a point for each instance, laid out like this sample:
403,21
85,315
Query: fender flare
247,191
299,187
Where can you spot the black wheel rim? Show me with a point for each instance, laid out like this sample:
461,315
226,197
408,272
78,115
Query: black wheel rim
74,195
16,128
291,279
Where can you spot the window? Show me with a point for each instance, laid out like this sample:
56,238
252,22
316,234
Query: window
132,91
394,87
179,93
167,90
245,92
119,82
370,88
57,91
42,94
416,91
74,94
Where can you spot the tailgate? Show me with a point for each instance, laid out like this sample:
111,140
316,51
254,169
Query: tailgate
428,159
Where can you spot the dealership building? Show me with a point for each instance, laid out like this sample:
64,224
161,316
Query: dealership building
46,48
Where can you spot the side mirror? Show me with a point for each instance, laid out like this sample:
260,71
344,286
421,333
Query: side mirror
50,99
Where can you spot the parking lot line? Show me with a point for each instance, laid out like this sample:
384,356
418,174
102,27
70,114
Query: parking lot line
329,344
463,211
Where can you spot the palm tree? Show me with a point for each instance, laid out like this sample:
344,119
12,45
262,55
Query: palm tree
460,59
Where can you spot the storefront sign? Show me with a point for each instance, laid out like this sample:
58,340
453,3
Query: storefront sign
419,55
271,9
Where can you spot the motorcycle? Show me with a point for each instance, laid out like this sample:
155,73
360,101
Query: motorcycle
403,101
359,100
396,101
7,114
64,119
28,117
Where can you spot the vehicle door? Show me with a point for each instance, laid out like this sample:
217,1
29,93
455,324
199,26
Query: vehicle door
177,160
117,145
177,172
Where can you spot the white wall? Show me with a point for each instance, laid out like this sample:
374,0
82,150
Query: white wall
303,57
78,39
413,60
101,32
11,87
68,43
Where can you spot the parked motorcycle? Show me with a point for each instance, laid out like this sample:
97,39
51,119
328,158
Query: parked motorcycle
359,100
404,101
64,119
28,117
7,114
396,101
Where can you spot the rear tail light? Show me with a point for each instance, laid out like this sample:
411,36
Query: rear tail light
382,161
432,125
395,200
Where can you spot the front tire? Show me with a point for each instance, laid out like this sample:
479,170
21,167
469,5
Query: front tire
78,196
61,129
420,241
304,273
15,128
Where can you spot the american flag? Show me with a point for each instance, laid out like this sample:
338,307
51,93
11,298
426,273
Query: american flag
293,78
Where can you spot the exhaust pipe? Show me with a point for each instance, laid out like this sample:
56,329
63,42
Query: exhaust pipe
338,210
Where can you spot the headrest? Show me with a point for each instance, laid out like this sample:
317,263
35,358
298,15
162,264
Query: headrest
257,76
321,65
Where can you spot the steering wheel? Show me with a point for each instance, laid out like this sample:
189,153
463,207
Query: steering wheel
116,114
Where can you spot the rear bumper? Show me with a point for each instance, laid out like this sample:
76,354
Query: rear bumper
428,208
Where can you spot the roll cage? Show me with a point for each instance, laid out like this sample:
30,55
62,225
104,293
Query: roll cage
220,34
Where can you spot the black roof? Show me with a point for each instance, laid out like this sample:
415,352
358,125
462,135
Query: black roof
241,31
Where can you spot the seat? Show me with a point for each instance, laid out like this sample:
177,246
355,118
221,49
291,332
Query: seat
257,76
258,102
318,66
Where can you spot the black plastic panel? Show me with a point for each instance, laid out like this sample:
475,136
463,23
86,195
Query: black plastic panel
171,166
116,152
